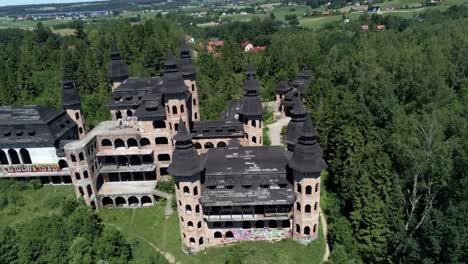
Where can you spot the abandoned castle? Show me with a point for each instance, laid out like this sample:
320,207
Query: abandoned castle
229,187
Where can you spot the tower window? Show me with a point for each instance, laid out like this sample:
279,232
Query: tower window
77,116
174,109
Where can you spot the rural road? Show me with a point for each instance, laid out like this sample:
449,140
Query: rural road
275,130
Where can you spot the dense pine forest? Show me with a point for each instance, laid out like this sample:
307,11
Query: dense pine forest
390,106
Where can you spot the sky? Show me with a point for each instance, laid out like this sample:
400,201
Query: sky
31,2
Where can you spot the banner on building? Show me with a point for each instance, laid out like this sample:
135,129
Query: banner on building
28,168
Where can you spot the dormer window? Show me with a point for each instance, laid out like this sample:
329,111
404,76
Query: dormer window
19,133
7,134
31,133
117,99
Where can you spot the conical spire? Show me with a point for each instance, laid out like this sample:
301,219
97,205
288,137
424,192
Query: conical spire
298,108
115,53
118,70
184,50
306,156
70,97
250,73
170,64
186,66
185,159
295,126
282,87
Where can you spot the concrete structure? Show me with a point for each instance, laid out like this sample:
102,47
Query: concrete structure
286,94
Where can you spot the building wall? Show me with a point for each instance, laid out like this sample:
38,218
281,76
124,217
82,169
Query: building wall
192,87
253,133
203,145
77,116
306,221
175,110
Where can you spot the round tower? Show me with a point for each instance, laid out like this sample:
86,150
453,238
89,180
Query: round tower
176,97
298,115
118,70
306,164
281,89
251,110
71,102
187,170
189,74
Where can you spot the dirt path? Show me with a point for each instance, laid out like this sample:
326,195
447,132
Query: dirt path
169,257
323,222
275,130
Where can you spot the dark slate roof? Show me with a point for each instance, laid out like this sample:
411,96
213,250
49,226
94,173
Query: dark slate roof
298,115
289,98
251,87
70,97
33,125
132,91
185,159
118,70
282,87
306,157
303,80
264,168
252,107
250,72
186,66
171,63
217,129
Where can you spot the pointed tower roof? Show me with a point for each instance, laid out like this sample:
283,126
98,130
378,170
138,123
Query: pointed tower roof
250,72
70,97
186,66
303,79
250,83
306,157
185,159
282,87
171,63
184,50
251,103
118,70
295,126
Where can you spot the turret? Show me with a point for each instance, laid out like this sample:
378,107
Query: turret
303,80
118,70
298,115
189,74
187,169
71,102
281,89
306,164
251,110
177,98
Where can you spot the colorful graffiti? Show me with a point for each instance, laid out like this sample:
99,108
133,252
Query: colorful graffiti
308,239
31,168
259,234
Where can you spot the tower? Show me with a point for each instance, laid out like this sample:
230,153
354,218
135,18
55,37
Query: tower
281,89
298,115
306,164
303,80
71,102
187,170
177,98
189,74
118,70
251,110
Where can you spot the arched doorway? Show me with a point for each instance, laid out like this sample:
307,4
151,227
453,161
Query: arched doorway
107,202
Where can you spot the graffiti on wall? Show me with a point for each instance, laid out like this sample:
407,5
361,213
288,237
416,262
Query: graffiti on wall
31,168
259,234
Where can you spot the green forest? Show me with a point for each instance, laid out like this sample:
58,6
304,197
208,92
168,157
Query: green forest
390,107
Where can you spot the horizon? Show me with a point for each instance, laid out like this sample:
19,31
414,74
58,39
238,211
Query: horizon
4,3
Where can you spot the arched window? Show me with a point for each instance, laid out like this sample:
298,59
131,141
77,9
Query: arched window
317,187
129,112
77,176
90,192
118,115
63,164
176,127
146,200
221,144
144,142
229,234
315,206
199,225
81,156
308,208
120,201
73,158
197,145
3,158
164,157
315,228
80,189
161,141
119,143
182,109
209,145
254,123
188,209
135,160
14,156
190,224
147,159
25,156
197,208
200,241
106,143
254,139
306,230
298,228
174,109
299,188
159,124
194,101
298,207
85,174
217,234
196,115
186,190
131,142
80,130
308,189
106,201
193,87
77,115
195,190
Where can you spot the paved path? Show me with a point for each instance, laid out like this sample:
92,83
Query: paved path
275,130
323,222
168,210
